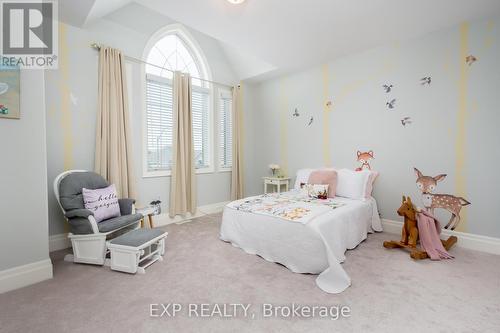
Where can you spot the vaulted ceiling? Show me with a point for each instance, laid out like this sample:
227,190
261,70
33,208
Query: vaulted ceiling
285,35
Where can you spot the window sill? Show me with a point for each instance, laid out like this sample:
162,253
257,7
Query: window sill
204,171
225,170
160,174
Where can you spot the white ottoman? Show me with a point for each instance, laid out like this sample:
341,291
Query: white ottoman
136,250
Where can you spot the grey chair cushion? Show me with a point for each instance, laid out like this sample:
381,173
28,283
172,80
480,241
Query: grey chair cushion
70,188
137,237
80,226
118,222
84,213
126,206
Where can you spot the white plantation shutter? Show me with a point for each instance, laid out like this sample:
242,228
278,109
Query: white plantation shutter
201,122
159,123
225,130
159,106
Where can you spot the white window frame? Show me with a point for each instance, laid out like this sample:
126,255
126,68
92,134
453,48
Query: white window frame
210,134
220,92
198,55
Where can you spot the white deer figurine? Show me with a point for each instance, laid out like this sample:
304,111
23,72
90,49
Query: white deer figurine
451,203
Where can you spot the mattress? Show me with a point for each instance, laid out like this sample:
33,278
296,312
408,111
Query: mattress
314,245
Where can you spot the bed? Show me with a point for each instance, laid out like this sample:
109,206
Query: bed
305,235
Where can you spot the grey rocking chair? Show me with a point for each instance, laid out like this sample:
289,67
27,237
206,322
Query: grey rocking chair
88,238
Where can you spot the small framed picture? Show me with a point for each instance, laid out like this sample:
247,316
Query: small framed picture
10,91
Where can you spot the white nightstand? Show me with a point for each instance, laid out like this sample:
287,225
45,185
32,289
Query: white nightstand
278,182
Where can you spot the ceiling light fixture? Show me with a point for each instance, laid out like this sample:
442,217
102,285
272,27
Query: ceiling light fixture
236,2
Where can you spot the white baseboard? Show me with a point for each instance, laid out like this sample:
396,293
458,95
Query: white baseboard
465,240
61,241
164,219
21,276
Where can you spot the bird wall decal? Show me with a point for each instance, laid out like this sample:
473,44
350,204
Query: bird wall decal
391,104
387,87
425,80
406,120
470,59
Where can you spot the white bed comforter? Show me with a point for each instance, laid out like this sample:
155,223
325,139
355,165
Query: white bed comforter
305,236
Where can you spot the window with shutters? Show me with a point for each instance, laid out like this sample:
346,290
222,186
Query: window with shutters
172,50
225,130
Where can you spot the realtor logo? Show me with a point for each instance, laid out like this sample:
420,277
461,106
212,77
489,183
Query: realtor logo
29,33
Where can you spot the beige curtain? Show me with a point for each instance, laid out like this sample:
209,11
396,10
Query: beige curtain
183,182
113,159
237,170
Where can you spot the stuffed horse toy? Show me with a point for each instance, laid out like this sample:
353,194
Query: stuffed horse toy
410,233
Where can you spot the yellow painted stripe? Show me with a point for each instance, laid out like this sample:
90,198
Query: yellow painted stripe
284,108
327,160
460,179
66,118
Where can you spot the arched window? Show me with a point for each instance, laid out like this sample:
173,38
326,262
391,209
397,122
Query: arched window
172,49
173,53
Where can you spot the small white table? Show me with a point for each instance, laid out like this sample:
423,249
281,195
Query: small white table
146,211
276,181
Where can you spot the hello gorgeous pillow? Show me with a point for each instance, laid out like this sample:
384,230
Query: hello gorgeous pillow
103,202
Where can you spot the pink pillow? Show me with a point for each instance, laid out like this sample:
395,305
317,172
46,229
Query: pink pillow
369,185
103,202
325,177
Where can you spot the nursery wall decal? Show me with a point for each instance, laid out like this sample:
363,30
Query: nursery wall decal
451,203
363,158
9,92
387,87
391,104
425,80
406,120
310,121
296,113
470,59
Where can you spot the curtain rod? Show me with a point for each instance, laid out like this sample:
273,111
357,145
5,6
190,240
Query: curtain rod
98,47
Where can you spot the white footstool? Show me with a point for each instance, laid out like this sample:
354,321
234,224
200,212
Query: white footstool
134,251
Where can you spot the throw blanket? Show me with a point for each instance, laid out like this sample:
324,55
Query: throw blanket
294,207
429,229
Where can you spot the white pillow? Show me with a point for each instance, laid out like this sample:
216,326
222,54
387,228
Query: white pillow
352,184
302,177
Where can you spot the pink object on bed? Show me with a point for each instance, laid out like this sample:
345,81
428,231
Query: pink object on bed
429,230
325,177
369,185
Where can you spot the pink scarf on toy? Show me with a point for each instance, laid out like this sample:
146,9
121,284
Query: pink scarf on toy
429,229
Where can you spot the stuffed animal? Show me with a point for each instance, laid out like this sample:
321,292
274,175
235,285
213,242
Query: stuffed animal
409,234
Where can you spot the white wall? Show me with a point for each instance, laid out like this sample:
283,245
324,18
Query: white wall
72,103
23,179
360,120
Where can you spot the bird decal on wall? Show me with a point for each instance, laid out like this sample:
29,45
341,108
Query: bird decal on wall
391,104
296,113
310,121
387,88
405,121
425,80
470,59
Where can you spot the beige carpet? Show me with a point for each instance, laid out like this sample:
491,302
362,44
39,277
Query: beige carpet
390,292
